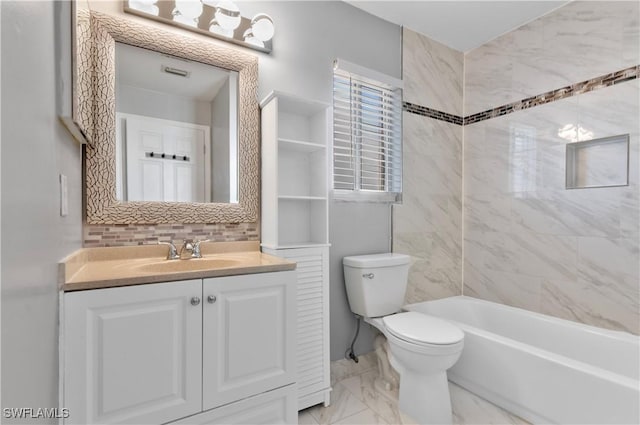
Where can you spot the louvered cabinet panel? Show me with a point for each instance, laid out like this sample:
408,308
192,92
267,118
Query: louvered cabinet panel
312,322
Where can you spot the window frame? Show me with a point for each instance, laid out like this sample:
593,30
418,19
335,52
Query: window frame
376,81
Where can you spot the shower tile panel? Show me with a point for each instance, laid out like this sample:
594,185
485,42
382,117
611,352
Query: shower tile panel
428,223
531,243
432,73
573,43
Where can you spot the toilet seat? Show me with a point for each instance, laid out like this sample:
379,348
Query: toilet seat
422,330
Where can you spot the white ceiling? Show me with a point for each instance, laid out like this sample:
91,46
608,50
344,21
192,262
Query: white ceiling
144,69
460,24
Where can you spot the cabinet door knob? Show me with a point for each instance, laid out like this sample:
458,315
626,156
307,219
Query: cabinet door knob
211,299
195,301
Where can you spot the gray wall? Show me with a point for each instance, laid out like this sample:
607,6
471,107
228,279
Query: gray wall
309,36
35,149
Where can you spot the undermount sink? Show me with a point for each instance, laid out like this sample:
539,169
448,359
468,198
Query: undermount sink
194,264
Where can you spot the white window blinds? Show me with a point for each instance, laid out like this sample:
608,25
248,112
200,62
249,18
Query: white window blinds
367,137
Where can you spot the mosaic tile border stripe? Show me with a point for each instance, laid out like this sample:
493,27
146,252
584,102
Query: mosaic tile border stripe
431,113
586,86
602,81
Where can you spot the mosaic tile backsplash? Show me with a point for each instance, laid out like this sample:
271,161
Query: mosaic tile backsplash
144,234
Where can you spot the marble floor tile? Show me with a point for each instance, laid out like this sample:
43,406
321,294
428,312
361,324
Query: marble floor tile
469,409
344,368
343,404
306,418
357,399
384,403
366,417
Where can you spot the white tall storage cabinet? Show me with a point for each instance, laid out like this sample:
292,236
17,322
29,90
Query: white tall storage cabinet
295,210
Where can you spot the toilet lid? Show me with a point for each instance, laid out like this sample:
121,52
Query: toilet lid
420,328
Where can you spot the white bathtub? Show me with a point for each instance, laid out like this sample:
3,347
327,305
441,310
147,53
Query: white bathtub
544,369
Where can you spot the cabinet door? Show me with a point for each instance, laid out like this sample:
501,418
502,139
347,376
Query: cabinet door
133,354
312,322
248,335
273,407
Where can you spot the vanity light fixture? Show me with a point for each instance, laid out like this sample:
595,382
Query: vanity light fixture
148,6
261,30
226,15
219,19
187,12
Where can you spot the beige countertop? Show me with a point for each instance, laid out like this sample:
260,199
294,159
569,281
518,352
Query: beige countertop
94,268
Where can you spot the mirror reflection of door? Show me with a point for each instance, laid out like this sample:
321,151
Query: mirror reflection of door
167,105
165,160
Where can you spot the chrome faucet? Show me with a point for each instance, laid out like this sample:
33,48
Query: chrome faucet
173,252
196,248
191,249
187,251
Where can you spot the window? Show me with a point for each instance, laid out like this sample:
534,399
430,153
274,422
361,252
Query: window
367,135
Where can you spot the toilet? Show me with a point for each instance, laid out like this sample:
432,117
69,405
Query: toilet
422,347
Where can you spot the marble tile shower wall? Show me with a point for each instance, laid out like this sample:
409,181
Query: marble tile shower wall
577,42
428,223
528,242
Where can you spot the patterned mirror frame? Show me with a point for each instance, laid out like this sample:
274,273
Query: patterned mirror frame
97,34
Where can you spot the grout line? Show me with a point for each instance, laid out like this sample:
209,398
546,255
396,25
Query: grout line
462,174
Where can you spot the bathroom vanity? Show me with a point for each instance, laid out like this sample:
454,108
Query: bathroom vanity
212,343
150,340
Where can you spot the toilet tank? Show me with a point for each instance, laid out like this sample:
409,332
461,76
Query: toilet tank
376,284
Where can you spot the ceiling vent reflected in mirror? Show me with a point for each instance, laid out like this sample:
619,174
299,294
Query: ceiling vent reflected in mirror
219,19
175,71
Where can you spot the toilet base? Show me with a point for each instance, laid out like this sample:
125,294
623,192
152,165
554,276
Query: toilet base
424,388
426,397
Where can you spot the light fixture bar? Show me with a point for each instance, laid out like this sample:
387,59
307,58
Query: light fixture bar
166,15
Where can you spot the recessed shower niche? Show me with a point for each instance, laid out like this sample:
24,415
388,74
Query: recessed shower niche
598,163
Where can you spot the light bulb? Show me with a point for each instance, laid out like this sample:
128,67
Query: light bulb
187,12
147,6
227,15
262,27
250,38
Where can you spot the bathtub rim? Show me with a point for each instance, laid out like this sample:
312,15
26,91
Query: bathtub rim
569,362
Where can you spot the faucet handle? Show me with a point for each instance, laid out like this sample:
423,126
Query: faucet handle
173,252
196,248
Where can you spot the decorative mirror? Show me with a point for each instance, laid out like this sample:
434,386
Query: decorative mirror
172,124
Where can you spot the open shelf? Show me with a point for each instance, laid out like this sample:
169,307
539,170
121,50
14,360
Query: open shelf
294,172
296,245
302,221
299,146
302,172
303,198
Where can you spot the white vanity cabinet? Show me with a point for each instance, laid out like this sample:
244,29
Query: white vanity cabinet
248,341
162,352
